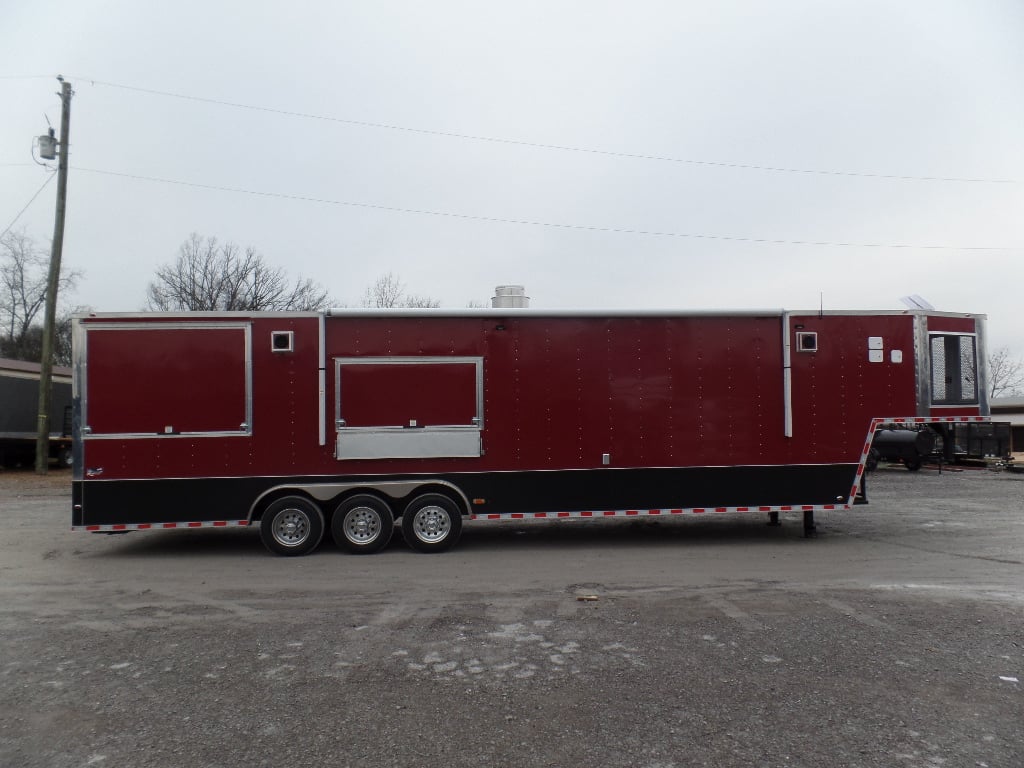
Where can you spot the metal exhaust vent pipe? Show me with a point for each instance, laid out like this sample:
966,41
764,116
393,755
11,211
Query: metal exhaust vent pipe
510,297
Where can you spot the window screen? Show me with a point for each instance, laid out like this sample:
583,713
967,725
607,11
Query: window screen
954,363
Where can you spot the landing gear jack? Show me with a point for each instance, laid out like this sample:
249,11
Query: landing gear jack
861,497
809,529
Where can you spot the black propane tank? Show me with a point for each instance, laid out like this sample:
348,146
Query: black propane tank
907,445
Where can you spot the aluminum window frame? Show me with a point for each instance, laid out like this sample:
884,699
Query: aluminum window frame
399,441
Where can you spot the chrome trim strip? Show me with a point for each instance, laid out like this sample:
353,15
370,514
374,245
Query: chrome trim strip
922,365
78,400
248,379
981,350
322,381
787,378
162,436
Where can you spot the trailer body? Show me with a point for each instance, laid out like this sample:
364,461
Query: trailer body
350,419
19,413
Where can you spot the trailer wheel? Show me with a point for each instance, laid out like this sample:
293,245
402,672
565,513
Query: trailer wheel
913,464
872,461
362,524
292,525
431,523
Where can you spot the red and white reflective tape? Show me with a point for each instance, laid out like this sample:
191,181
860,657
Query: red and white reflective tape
930,420
655,512
159,526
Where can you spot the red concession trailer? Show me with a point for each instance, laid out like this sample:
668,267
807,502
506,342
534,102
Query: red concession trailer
303,423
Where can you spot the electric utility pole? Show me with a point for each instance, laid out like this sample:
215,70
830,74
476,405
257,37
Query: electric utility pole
49,319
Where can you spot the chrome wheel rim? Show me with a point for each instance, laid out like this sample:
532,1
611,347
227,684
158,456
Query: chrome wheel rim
362,525
432,524
291,527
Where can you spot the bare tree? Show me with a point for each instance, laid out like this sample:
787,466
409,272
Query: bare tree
30,346
389,291
62,333
23,277
210,276
386,291
413,300
1005,374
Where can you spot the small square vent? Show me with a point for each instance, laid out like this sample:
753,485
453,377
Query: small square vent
807,341
282,341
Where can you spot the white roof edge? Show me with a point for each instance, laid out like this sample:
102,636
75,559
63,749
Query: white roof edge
233,315
511,311
619,312
538,312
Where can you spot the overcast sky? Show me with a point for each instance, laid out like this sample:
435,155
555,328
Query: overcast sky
893,124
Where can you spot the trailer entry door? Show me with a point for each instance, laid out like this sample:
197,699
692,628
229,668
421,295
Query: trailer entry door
408,407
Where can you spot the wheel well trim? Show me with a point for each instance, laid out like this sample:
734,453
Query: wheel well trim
393,489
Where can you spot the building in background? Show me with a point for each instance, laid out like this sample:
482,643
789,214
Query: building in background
1011,410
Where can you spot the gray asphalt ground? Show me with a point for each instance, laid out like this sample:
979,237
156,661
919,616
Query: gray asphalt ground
894,638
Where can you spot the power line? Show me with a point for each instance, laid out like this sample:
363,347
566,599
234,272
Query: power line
527,222
31,200
539,145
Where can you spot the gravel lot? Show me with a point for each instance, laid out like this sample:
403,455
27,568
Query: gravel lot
895,638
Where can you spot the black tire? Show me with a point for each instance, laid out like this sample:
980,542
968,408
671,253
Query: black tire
872,461
431,523
912,464
362,524
292,525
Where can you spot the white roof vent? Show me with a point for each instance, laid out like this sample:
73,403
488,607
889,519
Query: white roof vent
510,297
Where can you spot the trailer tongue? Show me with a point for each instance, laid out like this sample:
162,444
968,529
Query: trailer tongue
346,422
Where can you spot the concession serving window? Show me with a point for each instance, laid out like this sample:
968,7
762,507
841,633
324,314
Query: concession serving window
168,379
408,407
